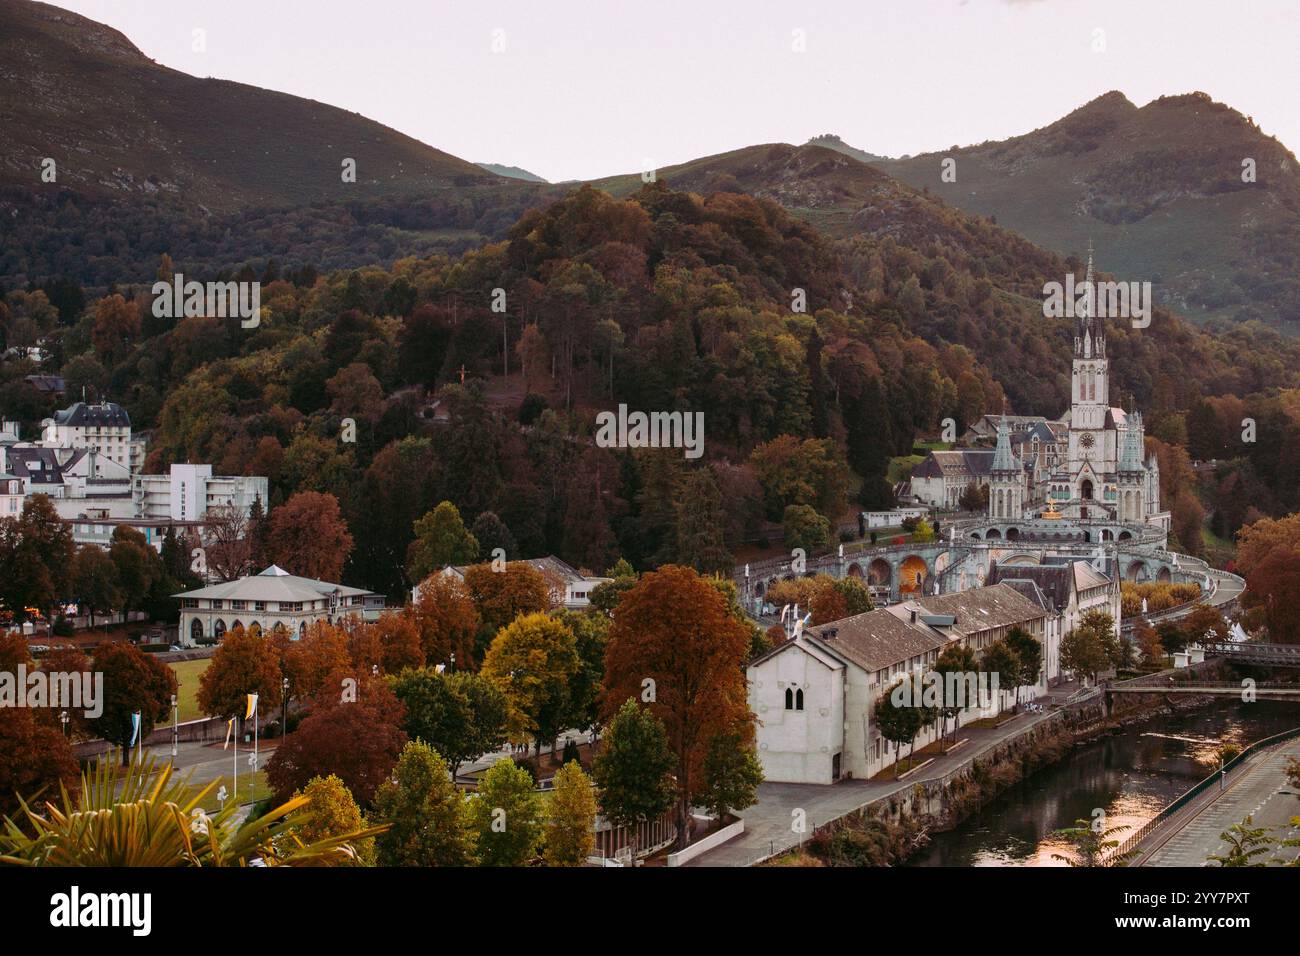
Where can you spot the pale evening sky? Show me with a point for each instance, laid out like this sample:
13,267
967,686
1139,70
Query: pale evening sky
579,90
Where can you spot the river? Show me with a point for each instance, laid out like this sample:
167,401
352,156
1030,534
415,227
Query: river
1132,776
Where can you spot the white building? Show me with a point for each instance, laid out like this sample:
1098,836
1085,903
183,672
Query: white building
271,600
815,695
12,496
104,427
189,492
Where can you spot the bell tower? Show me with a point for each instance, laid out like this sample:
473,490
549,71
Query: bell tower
1090,376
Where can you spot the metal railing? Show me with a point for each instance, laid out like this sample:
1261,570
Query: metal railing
1116,856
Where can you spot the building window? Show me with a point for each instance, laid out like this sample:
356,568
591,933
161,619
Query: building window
798,699
789,699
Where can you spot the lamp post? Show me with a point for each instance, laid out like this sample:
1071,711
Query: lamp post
284,698
175,729
453,661
63,719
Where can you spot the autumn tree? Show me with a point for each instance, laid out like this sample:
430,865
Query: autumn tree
357,740
332,811
229,546
245,663
502,596
569,830
138,565
134,682
898,723
533,660
307,536
675,644
95,581
506,816
115,329
35,759
1084,649
1029,654
399,641
447,620
309,662
441,539
428,822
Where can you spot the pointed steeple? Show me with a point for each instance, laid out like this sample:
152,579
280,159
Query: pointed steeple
1003,458
1130,458
1090,333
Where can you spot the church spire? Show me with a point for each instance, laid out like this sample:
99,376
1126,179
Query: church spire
1090,334
1003,458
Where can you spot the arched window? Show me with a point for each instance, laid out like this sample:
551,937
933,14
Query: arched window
196,630
789,699
302,630
219,628
798,699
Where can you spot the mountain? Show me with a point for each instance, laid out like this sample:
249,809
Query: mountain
120,125
511,172
1158,189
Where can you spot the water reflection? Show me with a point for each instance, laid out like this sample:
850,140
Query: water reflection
1131,776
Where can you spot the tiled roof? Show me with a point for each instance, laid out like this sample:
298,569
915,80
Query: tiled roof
273,584
876,639
105,415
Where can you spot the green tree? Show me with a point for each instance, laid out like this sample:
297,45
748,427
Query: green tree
428,822
506,816
732,773
701,522
460,715
634,769
441,539
570,826
804,528
1030,655
998,658
955,659
897,723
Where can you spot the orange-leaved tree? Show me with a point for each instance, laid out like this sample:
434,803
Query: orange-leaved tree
675,646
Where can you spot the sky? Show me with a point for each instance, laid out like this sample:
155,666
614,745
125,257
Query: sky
579,89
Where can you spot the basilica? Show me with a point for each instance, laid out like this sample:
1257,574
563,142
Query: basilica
1089,465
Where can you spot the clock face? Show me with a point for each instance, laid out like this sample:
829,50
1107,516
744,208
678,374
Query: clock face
1086,439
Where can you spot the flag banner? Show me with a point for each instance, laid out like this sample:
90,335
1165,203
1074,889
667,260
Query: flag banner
135,727
230,728
252,706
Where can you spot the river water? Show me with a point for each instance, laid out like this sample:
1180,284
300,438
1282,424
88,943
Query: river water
1132,776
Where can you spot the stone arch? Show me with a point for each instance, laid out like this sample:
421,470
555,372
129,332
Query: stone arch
238,624
255,628
1137,571
879,572
1085,489
1013,534
1163,575
975,535
1107,534
912,574
1125,536
196,630
993,533
855,570
219,628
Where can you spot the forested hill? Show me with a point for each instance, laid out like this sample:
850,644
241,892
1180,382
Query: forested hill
813,361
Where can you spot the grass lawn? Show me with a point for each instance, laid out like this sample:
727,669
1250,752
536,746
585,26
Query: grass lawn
187,678
900,467
251,790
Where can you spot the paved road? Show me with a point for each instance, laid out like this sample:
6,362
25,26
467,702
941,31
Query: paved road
1261,791
768,824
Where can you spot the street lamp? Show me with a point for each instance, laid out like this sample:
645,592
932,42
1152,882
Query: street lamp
453,660
175,728
284,697
63,719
